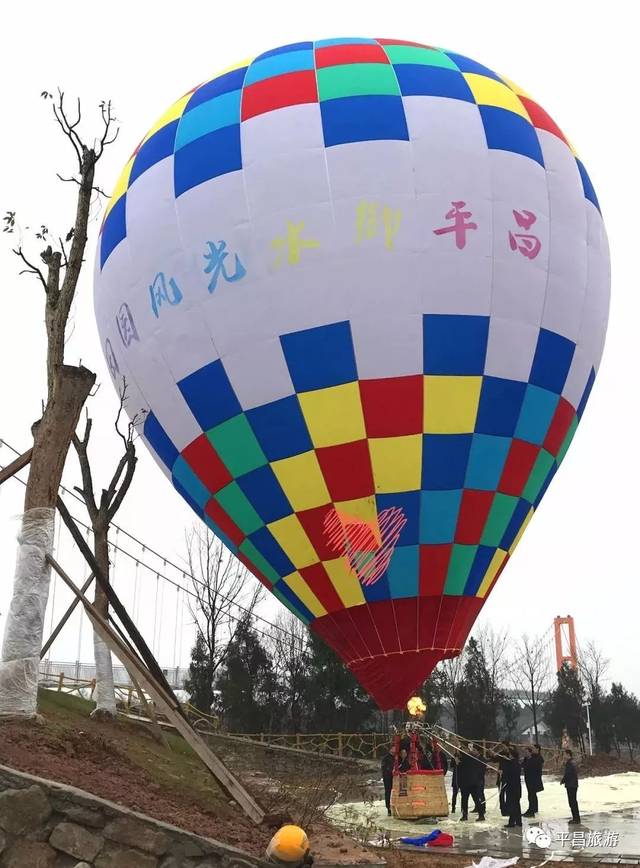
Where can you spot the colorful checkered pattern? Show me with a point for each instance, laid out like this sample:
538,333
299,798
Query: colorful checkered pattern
313,354
467,457
360,85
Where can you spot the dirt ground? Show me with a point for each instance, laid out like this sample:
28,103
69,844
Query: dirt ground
121,762
601,764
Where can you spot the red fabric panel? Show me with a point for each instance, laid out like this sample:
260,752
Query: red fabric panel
472,518
226,525
347,470
520,460
312,520
562,419
540,119
207,465
292,88
434,563
320,583
334,55
392,407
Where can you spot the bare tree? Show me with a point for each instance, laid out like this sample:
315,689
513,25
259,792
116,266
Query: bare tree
289,640
101,513
593,667
529,675
451,677
223,593
68,387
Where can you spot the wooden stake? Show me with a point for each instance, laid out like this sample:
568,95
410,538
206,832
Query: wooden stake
52,638
167,702
15,466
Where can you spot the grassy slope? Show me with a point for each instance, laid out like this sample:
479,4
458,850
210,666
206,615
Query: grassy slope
176,768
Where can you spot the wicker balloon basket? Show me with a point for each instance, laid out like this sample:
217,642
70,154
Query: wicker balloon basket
419,793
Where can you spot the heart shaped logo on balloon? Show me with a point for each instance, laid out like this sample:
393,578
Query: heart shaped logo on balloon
366,546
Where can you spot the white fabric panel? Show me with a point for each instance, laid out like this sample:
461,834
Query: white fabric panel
596,308
258,373
371,170
510,349
577,377
387,345
518,291
518,282
286,182
446,123
456,284
184,340
210,211
567,282
161,391
160,250
294,128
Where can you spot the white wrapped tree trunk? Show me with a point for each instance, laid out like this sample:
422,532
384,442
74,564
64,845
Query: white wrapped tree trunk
25,619
105,694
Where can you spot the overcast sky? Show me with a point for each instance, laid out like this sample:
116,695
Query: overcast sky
577,59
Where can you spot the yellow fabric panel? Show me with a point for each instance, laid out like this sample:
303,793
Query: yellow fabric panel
171,114
345,581
121,186
333,415
302,590
488,91
494,566
522,530
296,544
302,481
397,463
361,509
451,404
515,87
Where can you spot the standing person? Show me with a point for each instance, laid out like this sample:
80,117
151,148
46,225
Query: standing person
532,767
386,767
481,771
455,761
512,789
469,770
570,781
404,764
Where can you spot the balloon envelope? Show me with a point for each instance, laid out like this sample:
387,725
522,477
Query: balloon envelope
358,292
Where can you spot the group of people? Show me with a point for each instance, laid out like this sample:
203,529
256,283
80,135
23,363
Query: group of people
468,772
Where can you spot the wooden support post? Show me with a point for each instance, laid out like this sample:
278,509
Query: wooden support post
15,466
52,638
60,681
167,702
339,744
93,688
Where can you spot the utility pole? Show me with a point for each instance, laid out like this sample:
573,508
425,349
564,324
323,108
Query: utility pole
586,705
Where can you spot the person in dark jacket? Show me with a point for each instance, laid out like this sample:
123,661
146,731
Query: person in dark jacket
455,761
404,764
470,772
532,768
386,767
570,781
512,789
501,756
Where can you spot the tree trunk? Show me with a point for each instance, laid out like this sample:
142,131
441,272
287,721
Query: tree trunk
105,692
52,435
25,620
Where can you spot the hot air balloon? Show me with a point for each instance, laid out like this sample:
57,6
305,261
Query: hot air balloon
358,291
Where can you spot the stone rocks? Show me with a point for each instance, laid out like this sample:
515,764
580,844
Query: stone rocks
76,841
29,854
23,810
85,817
49,825
133,833
117,858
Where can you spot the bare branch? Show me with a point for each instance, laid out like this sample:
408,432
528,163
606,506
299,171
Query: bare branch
31,268
67,180
81,448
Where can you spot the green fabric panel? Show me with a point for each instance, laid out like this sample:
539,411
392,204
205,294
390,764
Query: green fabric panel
357,79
